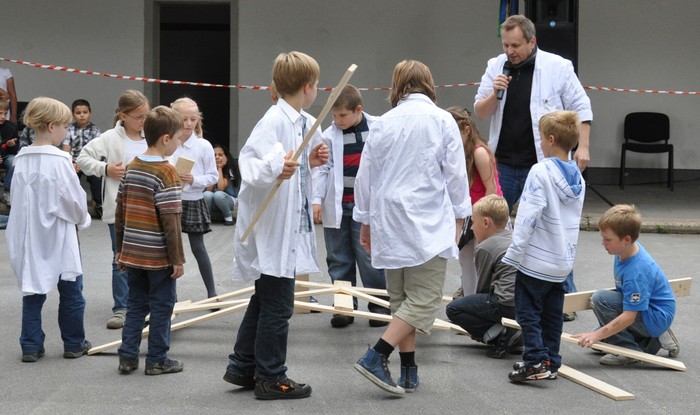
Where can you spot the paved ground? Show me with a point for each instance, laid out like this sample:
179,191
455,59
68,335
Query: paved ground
456,375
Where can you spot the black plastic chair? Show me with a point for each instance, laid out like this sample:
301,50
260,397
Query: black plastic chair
643,133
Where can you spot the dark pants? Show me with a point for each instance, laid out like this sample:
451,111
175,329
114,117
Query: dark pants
261,345
95,187
539,305
476,313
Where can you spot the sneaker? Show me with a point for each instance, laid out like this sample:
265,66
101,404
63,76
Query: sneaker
165,366
283,389
33,357
525,373
553,373
6,198
616,360
128,364
340,320
459,293
117,320
493,333
409,378
569,316
670,342
229,222
76,354
375,367
313,300
378,323
504,343
248,382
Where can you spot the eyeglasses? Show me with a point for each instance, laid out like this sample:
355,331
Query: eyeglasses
140,118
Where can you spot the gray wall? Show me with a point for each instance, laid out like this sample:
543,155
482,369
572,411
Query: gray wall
635,44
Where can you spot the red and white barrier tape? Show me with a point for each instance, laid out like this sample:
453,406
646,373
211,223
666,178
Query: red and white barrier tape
265,87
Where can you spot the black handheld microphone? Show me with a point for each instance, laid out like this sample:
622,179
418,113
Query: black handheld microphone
506,71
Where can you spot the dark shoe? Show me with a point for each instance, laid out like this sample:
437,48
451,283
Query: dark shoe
378,323
33,357
570,316
166,366
375,367
340,320
409,378
98,211
284,389
229,222
127,364
553,373
247,382
505,342
76,354
526,373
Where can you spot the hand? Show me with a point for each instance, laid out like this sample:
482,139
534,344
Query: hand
366,238
11,142
319,155
317,214
582,157
500,83
178,271
459,223
115,170
76,167
587,339
187,178
117,258
290,167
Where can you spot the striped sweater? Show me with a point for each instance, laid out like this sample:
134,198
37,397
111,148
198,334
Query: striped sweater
147,221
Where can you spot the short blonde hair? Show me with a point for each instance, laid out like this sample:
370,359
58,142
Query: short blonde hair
42,111
291,71
160,121
494,207
189,102
411,77
564,126
623,220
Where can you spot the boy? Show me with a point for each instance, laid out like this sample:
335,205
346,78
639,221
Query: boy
41,237
8,146
334,199
480,314
149,244
639,313
544,245
282,242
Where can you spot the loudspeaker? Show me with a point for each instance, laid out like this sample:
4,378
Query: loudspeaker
556,25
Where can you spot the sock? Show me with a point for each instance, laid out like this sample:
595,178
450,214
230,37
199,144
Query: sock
408,358
383,348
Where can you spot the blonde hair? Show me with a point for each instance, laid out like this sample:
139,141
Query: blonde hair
274,95
464,119
563,125
410,77
623,220
189,102
291,71
129,100
42,111
494,207
160,121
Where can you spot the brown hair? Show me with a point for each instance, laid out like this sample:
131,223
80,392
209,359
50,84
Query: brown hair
161,120
494,207
129,100
291,71
563,125
623,220
410,77
518,20
189,102
42,111
463,118
348,99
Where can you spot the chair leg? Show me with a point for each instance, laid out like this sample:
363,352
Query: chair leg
671,181
621,181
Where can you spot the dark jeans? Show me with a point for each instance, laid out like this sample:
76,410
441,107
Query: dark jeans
71,310
512,182
261,345
476,313
539,305
120,286
95,187
150,291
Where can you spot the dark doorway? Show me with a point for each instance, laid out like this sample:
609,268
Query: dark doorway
195,45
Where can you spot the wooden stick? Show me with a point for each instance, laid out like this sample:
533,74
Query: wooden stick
594,384
331,100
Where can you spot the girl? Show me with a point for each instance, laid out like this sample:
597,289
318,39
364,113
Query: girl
196,220
222,196
107,156
483,180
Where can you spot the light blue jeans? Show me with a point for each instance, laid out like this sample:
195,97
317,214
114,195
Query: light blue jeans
222,201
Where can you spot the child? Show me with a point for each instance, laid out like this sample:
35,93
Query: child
42,241
334,200
483,180
8,147
195,213
283,241
107,156
480,314
81,132
544,245
149,243
222,195
411,195
639,313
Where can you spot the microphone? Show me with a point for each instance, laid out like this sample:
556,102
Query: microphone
506,71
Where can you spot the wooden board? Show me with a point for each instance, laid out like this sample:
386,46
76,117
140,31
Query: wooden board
184,165
342,301
594,384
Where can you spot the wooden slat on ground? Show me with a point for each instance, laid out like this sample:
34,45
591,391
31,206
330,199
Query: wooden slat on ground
594,384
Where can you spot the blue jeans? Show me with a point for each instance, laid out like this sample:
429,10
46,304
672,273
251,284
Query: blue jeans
344,251
538,310
9,166
71,310
512,182
221,201
476,313
607,305
3,221
95,186
261,345
150,291
120,286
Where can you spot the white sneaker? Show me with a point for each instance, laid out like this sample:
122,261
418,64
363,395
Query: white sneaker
616,360
670,342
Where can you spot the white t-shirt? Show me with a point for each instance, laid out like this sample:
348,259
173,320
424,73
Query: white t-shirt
134,148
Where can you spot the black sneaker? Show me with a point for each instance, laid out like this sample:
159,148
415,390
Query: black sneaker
166,366
33,357
284,389
569,316
248,382
340,320
553,373
76,354
504,343
127,364
525,373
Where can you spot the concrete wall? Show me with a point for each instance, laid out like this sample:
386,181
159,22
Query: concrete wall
635,44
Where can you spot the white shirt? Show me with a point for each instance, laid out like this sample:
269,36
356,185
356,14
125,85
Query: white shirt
275,247
412,184
133,148
41,233
204,171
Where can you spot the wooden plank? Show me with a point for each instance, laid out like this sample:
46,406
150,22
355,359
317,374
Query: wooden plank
210,306
342,301
594,384
243,291
367,297
299,289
